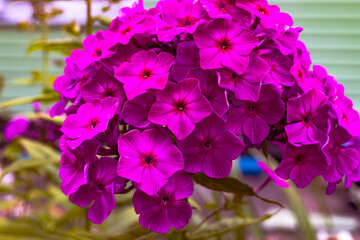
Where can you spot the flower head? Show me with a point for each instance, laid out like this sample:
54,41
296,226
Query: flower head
148,158
147,70
253,118
166,208
99,190
179,107
302,163
90,119
210,148
225,43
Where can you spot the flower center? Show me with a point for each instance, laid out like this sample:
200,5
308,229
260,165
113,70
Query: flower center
180,107
224,44
299,159
251,108
148,159
307,119
97,52
222,5
207,144
234,76
165,199
93,124
146,74
126,30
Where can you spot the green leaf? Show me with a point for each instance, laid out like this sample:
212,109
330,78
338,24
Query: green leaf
40,155
135,233
226,225
62,46
228,184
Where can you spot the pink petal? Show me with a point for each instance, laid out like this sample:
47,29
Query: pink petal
179,214
103,205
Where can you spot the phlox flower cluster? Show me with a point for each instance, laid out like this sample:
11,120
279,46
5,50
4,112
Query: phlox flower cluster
177,89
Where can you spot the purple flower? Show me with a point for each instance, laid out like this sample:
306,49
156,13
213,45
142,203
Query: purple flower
253,118
147,70
308,116
17,126
226,9
210,88
99,190
270,15
225,43
280,66
210,148
246,86
185,16
136,111
74,165
95,49
148,158
89,120
347,116
187,57
281,183
165,209
301,163
101,86
179,107
122,29
344,158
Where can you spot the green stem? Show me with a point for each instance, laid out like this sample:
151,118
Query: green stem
88,17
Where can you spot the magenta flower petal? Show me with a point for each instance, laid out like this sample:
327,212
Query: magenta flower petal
225,43
148,158
210,148
180,106
165,209
281,183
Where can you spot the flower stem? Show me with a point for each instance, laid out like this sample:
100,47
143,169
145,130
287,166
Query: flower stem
88,17
264,184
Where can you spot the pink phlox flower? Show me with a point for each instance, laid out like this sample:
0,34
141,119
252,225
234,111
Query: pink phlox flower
101,86
270,15
95,48
136,7
253,118
179,107
17,126
343,156
225,43
245,86
185,16
148,159
347,116
74,165
187,57
90,119
281,183
147,70
301,163
121,30
280,66
307,117
166,209
210,88
99,190
210,148
136,111
123,53
109,138
226,9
